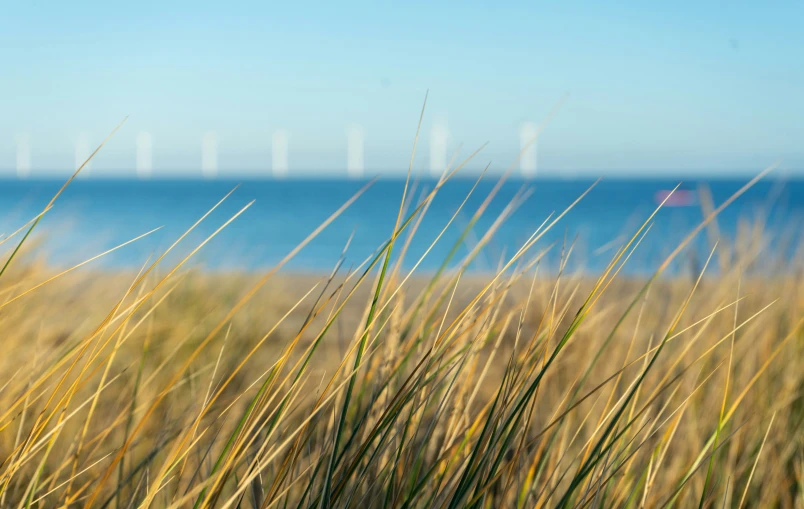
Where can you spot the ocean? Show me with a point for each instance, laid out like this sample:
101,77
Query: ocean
93,215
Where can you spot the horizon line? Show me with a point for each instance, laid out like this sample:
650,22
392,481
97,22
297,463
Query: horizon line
584,174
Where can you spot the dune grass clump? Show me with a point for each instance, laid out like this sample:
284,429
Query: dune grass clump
375,386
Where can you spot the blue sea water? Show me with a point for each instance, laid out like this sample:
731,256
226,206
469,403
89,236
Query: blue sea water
94,215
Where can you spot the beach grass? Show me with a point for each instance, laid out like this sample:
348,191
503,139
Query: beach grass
378,386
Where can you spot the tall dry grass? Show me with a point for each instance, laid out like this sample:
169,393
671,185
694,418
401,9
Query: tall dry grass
377,387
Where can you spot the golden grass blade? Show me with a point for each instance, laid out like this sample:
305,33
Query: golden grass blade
756,461
74,267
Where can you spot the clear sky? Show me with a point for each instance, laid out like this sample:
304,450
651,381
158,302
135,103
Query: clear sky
652,86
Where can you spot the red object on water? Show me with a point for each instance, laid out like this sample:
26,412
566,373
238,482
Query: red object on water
677,198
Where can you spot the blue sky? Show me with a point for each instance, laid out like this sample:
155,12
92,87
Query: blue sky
658,87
